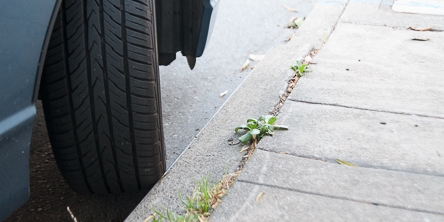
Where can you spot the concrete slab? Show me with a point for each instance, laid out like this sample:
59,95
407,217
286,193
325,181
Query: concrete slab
286,205
378,68
210,154
380,13
329,183
405,143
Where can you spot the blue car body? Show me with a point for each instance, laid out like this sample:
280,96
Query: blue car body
25,29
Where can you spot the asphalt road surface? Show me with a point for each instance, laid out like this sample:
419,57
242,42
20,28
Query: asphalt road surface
189,99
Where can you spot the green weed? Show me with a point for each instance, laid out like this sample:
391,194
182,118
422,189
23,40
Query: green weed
257,129
300,68
200,204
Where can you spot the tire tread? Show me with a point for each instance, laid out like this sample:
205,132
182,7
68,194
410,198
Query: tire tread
101,96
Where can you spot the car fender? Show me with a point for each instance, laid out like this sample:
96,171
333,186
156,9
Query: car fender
25,27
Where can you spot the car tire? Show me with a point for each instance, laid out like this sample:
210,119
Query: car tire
101,96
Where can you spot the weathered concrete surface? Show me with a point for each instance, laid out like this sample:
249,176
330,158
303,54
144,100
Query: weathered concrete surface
373,98
378,68
406,143
210,154
299,189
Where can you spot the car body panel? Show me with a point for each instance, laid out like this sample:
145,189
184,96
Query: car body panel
23,29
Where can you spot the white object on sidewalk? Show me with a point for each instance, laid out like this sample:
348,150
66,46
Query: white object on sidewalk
432,7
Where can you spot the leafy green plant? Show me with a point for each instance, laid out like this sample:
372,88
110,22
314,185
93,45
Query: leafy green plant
206,197
300,68
257,129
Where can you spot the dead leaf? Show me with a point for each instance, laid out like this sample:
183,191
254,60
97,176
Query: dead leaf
420,39
222,94
218,201
259,196
290,9
342,162
245,66
438,153
420,29
256,58
149,218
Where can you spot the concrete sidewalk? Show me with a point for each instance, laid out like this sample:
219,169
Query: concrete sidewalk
374,98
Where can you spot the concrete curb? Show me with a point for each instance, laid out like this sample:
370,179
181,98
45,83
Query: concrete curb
210,154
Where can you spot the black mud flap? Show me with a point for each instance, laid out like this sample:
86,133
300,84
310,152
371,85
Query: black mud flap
183,25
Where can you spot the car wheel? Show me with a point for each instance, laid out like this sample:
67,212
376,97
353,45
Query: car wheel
101,96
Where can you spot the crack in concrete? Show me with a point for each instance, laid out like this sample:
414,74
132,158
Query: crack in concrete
365,109
298,155
292,81
343,198
291,84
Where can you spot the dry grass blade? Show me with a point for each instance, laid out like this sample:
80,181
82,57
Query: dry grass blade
151,217
245,66
259,196
203,218
220,189
72,215
243,149
290,9
163,176
420,29
342,162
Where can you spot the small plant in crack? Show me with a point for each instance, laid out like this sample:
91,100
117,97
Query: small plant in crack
206,197
200,202
199,206
257,129
300,68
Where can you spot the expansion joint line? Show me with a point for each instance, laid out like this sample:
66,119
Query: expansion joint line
366,109
343,198
291,84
